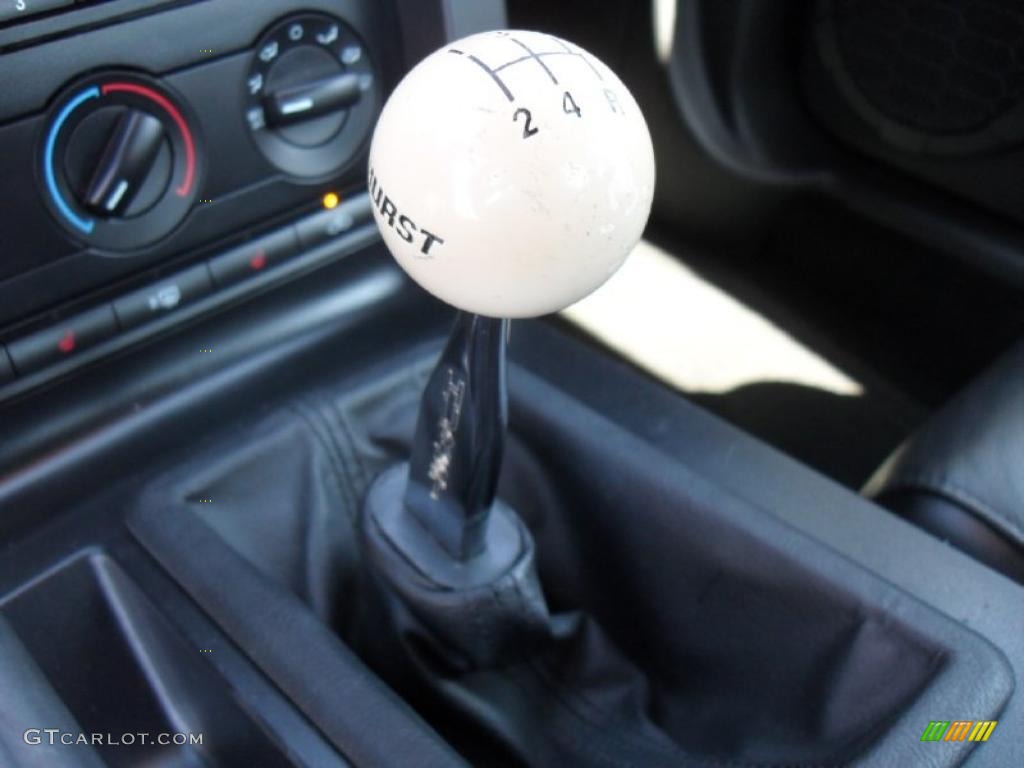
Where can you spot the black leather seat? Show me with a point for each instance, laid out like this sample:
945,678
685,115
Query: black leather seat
961,476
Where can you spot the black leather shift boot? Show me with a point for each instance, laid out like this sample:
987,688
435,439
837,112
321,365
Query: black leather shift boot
666,622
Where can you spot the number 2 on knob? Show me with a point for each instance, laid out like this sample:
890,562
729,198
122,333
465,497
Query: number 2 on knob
528,129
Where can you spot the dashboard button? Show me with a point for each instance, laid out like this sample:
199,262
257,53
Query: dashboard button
14,9
6,370
252,258
163,297
325,225
63,340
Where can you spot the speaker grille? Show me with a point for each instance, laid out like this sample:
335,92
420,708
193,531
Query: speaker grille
943,67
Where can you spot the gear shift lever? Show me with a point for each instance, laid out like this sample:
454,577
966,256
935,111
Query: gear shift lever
511,174
456,455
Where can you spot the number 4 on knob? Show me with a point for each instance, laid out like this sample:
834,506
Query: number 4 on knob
569,106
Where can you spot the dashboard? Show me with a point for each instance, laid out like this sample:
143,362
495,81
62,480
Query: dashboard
161,159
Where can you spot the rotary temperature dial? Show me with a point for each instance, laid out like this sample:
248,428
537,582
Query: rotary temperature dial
113,158
311,95
119,161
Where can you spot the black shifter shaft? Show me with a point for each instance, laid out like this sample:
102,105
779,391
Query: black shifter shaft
457,451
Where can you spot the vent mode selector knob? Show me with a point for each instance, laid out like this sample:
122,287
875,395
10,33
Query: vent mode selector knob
311,98
311,95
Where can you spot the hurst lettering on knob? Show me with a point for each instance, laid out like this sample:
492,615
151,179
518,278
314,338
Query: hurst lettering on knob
387,214
512,173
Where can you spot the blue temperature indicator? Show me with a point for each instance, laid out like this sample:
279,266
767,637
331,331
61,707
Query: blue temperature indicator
86,225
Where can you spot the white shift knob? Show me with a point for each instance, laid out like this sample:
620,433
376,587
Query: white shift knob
511,173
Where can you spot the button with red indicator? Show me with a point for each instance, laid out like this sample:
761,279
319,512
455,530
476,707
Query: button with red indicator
63,340
253,258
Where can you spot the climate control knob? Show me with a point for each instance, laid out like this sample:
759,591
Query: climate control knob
120,161
112,158
312,95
